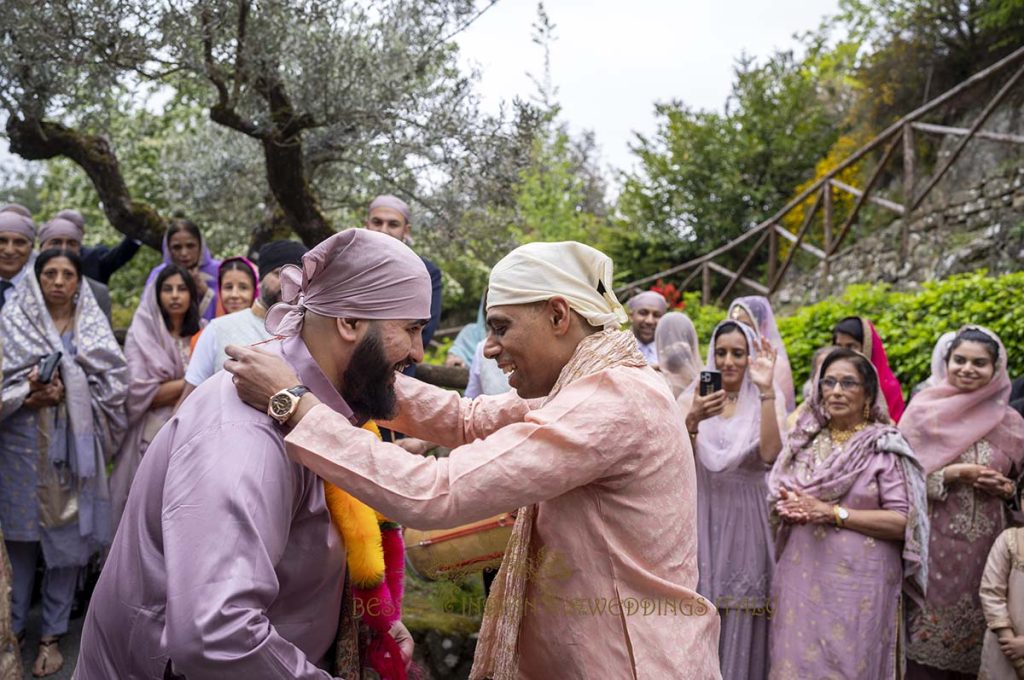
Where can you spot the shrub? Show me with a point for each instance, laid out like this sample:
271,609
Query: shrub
910,323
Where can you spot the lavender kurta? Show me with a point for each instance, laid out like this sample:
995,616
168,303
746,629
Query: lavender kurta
608,463
836,591
226,561
737,560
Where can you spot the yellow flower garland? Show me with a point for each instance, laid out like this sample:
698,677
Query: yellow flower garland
359,525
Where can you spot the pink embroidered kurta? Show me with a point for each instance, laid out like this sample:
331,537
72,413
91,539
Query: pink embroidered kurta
610,467
965,522
836,591
226,562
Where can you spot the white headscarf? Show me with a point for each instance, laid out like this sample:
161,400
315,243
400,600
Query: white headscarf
678,351
540,271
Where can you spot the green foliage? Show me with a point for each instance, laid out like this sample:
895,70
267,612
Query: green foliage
437,354
910,323
920,48
704,318
706,177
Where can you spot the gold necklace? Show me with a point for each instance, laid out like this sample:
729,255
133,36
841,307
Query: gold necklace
840,437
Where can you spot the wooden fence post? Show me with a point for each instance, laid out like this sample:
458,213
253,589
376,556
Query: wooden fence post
705,284
826,199
908,187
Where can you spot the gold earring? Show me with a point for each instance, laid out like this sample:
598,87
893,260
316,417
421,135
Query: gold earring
867,411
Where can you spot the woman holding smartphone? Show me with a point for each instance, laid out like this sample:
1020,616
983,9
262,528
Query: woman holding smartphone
56,436
735,433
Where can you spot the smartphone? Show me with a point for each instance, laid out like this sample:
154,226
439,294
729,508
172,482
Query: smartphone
710,381
48,366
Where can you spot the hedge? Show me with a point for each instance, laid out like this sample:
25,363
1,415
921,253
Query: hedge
910,323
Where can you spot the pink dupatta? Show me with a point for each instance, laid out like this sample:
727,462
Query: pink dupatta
943,421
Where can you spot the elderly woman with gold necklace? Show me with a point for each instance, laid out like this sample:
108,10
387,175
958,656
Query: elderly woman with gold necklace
851,498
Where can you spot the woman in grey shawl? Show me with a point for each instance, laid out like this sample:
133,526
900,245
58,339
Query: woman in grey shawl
55,439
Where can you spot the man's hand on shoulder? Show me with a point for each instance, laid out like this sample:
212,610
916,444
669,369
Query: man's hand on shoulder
258,375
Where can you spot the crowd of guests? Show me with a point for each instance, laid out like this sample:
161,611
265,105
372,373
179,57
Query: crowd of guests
854,535
884,546
75,404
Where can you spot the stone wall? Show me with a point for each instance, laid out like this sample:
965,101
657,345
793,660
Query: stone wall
973,219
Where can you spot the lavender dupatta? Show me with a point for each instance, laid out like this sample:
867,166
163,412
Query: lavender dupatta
831,480
209,268
759,309
724,443
153,359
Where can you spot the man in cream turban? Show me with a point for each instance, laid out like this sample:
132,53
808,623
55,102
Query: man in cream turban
226,563
645,311
598,578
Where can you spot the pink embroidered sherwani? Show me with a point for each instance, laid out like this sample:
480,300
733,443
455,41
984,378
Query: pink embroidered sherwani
608,462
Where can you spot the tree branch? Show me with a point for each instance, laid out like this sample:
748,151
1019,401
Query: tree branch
286,169
38,140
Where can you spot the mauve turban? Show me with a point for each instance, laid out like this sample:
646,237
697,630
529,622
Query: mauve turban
648,299
72,216
393,202
17,209
60,227
540,271
356,274
17,223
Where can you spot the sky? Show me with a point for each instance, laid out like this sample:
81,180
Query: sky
613,59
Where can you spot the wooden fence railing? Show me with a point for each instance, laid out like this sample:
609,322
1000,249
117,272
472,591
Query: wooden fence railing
900,135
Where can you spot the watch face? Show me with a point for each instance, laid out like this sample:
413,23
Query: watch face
280,405
844,514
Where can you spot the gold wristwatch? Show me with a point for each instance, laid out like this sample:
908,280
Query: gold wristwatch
841,515
284,403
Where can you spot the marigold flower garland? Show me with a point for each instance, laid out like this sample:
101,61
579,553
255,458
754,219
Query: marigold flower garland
375,554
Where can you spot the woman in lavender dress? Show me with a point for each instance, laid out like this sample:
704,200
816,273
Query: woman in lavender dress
157,352
850,495
735,433
971,444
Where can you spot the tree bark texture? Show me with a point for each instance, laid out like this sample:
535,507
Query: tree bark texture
38,140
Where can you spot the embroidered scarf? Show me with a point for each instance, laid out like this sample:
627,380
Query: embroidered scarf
497,656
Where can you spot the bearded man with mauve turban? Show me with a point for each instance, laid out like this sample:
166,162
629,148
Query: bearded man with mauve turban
599,576
226,563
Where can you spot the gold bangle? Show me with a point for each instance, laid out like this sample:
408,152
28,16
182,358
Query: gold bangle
835,514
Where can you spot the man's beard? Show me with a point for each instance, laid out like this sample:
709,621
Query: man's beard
368,386
270,299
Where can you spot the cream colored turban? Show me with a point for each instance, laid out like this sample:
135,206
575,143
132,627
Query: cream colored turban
540,271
